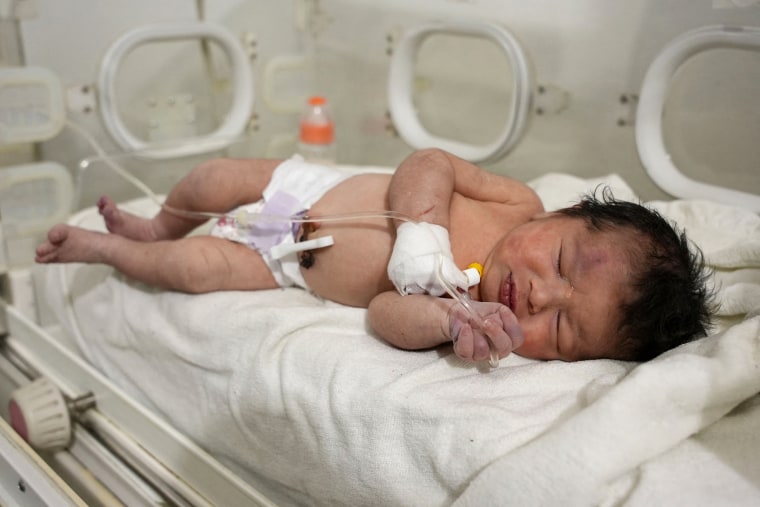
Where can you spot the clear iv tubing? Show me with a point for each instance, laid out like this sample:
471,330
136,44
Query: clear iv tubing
461,297
208,215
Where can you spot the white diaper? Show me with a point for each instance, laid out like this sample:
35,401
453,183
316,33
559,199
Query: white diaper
295,186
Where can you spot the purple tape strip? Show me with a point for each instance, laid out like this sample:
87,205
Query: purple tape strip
266,234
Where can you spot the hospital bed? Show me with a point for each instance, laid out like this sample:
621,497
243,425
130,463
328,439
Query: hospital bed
278,397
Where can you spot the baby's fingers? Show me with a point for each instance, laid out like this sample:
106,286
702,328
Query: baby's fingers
510,325
463,343
496,338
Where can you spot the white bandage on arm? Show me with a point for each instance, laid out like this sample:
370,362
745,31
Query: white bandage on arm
417,253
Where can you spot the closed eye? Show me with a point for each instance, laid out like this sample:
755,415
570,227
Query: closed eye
559,312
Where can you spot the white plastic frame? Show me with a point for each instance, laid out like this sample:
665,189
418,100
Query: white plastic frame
52,107
401,90
29,221
237,117
649,140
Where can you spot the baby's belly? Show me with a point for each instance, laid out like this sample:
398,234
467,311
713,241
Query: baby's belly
353,270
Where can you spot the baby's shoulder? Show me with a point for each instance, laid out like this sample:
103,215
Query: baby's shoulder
523,196
521,204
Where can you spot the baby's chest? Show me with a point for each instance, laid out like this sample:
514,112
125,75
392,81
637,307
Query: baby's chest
474,230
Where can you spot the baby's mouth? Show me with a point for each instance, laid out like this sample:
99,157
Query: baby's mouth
507,297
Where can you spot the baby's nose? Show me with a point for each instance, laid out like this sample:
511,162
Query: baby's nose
549,294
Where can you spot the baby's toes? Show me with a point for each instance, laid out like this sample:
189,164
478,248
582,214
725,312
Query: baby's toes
58,234
45,253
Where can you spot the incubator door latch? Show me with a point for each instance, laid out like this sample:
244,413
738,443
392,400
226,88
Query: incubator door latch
42,415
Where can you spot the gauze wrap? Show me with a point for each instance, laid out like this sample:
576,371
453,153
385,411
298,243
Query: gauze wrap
418,250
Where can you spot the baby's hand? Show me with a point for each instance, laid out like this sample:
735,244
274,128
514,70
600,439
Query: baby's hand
470,340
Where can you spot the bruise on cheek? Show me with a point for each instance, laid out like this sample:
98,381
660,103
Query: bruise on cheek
604,263
592,258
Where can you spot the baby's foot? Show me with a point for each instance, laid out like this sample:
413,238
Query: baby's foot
124,223
70,244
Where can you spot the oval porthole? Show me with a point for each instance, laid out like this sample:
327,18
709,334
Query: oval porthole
408,97
655,95
235,120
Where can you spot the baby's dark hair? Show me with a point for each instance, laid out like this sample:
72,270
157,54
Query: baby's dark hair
671,303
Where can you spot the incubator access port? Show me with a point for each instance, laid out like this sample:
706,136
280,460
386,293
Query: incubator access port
235,120
403,83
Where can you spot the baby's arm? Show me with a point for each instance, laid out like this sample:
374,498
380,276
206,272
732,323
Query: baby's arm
423,185
417,321
421,321
422,188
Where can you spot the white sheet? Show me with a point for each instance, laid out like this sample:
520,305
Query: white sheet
296,394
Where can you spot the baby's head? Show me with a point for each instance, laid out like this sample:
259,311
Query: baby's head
668,303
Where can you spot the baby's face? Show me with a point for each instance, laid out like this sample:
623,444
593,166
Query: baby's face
564,283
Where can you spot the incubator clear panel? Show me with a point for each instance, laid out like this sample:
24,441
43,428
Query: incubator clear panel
711,118
188,101
463,88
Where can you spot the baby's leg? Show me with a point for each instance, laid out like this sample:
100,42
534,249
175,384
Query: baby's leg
215,186
195,264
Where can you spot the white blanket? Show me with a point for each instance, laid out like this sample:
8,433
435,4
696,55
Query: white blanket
298,396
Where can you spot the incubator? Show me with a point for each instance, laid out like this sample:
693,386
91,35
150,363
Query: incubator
284,399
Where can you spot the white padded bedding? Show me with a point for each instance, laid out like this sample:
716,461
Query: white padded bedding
297,396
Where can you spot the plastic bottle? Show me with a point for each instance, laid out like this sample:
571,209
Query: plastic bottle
316,141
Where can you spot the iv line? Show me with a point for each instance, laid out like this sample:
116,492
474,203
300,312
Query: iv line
208,215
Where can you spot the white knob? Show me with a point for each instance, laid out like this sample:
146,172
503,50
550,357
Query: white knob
39,413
